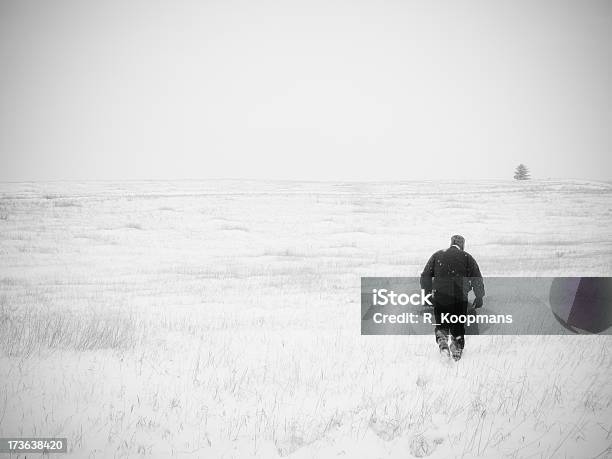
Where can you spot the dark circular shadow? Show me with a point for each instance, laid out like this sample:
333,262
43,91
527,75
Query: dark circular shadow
582,304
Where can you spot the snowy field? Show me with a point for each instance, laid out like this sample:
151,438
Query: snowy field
222,319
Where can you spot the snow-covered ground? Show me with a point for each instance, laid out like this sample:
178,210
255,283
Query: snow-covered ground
222,319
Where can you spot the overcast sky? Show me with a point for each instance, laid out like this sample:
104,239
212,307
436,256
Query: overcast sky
313,89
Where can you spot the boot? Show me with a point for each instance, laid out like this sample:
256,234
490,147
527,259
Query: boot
456,347
442,340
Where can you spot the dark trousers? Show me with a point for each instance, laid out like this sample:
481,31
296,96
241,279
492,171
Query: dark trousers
456,331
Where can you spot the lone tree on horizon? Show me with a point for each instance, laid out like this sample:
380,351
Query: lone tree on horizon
521,172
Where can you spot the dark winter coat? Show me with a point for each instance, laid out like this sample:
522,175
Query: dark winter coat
451,274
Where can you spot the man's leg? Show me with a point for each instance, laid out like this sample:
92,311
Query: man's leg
457,332
457,344
442,332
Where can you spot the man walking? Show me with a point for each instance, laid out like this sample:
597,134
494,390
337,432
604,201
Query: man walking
450,274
